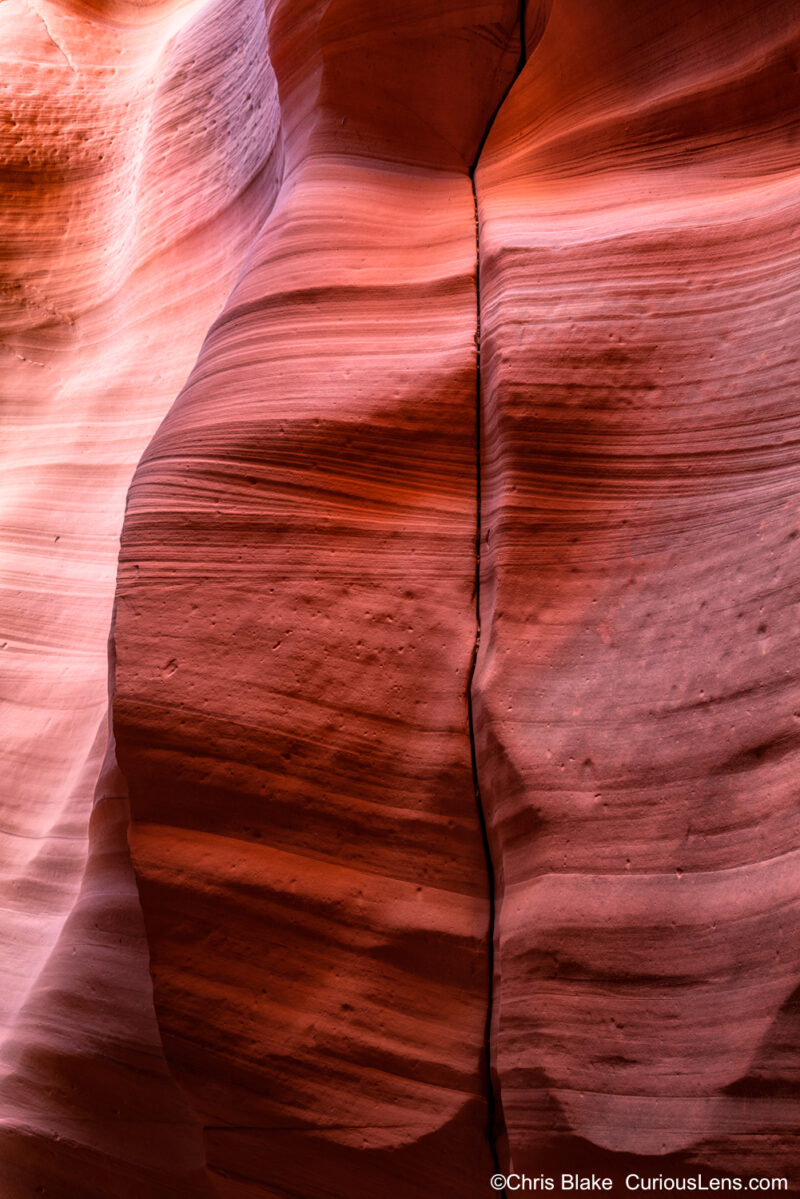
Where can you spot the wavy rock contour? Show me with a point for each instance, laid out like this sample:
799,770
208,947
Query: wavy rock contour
435,871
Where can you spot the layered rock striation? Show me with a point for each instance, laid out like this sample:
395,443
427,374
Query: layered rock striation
636,702
139,155
436,871
300,536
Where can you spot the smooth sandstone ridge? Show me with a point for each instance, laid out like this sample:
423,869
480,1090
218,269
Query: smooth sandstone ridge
391,863
295,629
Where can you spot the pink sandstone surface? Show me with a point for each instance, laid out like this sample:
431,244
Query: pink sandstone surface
636,697
382,872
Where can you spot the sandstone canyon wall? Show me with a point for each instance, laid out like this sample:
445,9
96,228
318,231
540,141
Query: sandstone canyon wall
636,697
444,819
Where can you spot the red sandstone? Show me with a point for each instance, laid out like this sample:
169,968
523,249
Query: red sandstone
269,254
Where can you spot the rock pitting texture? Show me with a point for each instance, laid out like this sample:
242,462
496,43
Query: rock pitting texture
636,698
300,716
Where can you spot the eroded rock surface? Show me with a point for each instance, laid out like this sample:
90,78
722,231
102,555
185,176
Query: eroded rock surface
636,698
295,629
138,159
282,203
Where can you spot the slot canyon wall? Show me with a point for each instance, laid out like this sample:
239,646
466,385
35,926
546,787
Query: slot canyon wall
400,589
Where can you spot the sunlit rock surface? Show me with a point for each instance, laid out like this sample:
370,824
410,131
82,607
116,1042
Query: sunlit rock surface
138,159
269,253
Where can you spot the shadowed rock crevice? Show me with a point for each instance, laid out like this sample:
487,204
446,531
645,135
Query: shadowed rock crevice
495,1130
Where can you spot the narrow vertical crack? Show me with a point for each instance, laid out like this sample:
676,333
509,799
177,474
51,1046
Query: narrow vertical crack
494,1113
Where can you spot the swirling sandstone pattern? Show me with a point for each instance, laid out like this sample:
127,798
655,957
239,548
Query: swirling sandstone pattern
295,627
137,164
295,624
636,698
